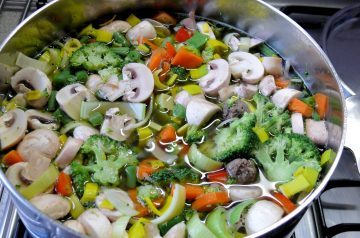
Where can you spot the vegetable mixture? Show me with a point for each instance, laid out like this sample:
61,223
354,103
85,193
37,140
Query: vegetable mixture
160,127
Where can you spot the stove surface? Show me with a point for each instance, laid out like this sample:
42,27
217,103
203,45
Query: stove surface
337,209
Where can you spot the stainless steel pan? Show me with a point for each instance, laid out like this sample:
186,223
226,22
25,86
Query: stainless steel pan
255,17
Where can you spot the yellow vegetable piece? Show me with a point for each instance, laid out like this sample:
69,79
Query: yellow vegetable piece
103,36
261,133
76,207
158,41
217,56
218,46
137,230
158,84
144,134
34,95
166,205
133,20
298,184
328,155
143,48
199,72
9,105
90,192
152,207
63,138
106,204
88,30
249,104
156,164
45,57
70,46
172,80
310,174
182,130
206,27
193,89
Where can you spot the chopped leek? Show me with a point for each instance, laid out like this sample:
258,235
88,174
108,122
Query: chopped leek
182,130
261,134
63,138
133,20
131,176
199,72
172,80
41,184
165,101
176,207
136,110
201,161
298,184
144,134
193,89
70,46
155,126
34,95
196,228
158,84
328,155
76,207
90,192
119,227
24,61
218,46
103,36
105,204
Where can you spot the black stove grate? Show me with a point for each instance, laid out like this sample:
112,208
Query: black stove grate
314,20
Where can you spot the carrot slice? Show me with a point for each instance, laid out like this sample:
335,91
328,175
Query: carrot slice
170,50
218,176
286,203
144,40
165,70
12,157
168,134
165,18
156,58
282,83
63,185
147,167
321,101
143,211
186,59
208,201
193,191
296,105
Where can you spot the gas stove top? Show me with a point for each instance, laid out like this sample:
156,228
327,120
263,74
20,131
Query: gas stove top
337,211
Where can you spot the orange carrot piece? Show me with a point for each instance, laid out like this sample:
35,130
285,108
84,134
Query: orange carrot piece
165,18
168,134
165,70
12,157
170,50
286,203
156,57
193,191
143,211
144,40
147,167
184,150
208,201
63,185
282,83
187,59
296,105
321,101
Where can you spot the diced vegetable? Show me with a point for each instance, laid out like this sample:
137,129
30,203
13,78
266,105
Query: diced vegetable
148,166
282,83
286,203
197,40
218,176
137,230
298,184
216,223
96,119
76,207
144,134
186,59
90,192
119,227
261,133
156,57
196,228
165,227
322,102
208,201
130,176
142,211
296,105
193,191
63,185
167,134
121,201
12,157
193,89
328,155
133,20
199,72
24,61
41,184
201,161
182,35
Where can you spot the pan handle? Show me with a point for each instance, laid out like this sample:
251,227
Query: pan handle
352,140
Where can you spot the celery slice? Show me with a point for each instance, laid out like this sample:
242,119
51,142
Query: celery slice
136,110
201,161
76,207
298,184
41,184
216,222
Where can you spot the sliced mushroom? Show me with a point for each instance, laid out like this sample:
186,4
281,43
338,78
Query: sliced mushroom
273,65
112,89
95,223
45,142
317,131
12,128
41,120
13,174
282,97
117,127
75,225
177,231
246,66
217,78
84,132
35,168
53,205
71,97
261,215
93,82
183,98
205,29
112,215
199,111
297,123
140,80
267,85
29,79
68,152
245,90
143,29
117,26
226,92
232,40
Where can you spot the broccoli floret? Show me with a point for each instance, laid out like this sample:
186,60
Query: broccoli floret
180,174
195,134
94,56
282,155
274,120
180,72
108,157
234,141
149,191
80,176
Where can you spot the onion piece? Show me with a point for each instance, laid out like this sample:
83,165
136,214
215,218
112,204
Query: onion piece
159,153
119,227
121,201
